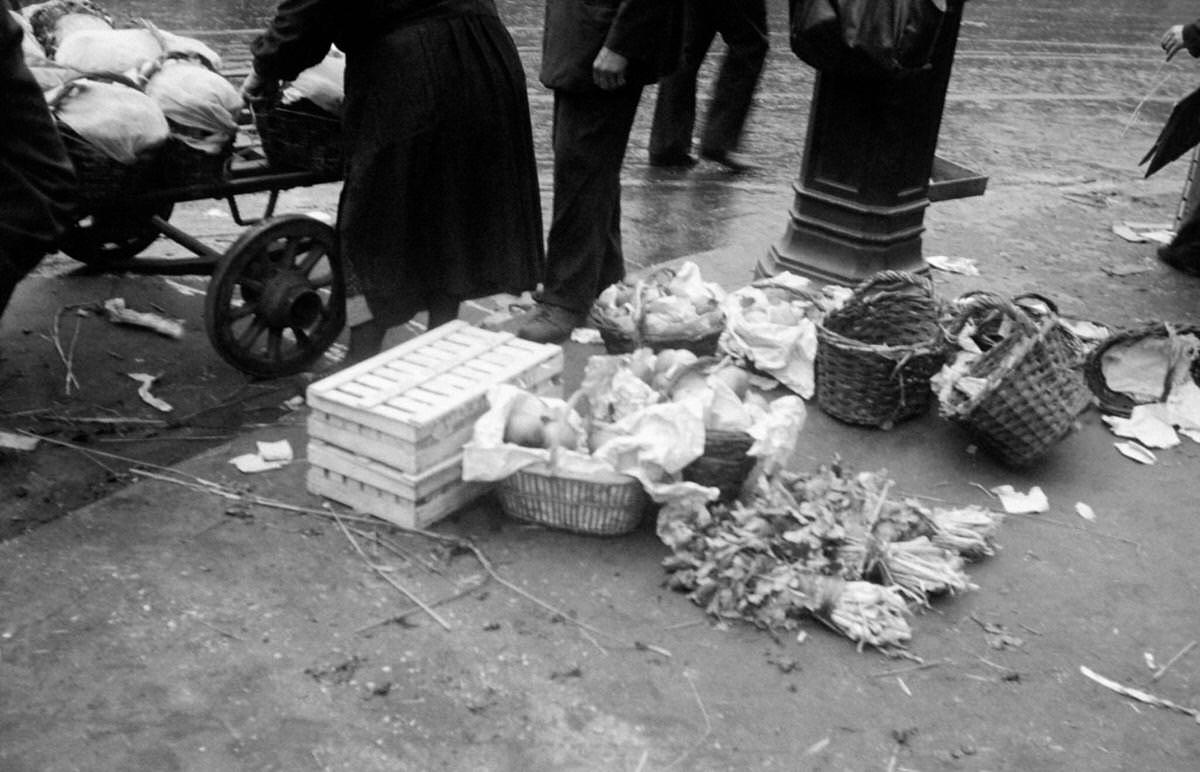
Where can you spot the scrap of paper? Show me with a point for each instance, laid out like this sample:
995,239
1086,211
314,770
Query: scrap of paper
1017,503
146,382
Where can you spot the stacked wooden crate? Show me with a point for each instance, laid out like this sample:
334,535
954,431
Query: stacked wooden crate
386,435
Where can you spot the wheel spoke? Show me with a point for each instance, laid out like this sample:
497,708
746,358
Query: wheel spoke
302,339
275,345
314,254
242,311
252,333
254,285
321,282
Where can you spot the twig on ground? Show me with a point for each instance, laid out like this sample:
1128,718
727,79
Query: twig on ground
388,578
1072,527
216,629
682,625
393,619
909,669
68,359
1159,673
1139,695
708,726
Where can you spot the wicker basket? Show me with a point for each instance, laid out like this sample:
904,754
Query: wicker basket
1116,402
876,354
180,165
601,505
102,180
300,137
621,341
1033,389
725,463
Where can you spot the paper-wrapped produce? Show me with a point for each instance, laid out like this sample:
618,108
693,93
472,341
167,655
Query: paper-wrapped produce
201,102
117,51
54,21
120,121
321,84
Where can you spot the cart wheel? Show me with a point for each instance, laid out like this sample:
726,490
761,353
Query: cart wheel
277,299
107,239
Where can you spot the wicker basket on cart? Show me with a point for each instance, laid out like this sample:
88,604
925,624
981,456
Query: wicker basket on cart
180,165
101,179
597,503
622,341
1033,389
876,354
725,464
299,136
1116,402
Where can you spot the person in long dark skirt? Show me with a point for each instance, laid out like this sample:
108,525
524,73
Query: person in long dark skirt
440,201
37,181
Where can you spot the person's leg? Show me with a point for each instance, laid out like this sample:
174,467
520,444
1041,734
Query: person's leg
442,309
591,132
743,27
675,107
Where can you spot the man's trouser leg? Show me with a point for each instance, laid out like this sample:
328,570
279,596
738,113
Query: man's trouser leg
743,27
583,249
675,108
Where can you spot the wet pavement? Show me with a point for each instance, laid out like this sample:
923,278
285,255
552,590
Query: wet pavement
162,628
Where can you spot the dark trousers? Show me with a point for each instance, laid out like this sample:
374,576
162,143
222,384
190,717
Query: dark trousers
743,26
583,249
37,182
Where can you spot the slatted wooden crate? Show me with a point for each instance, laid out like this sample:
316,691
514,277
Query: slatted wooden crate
388,432
377,489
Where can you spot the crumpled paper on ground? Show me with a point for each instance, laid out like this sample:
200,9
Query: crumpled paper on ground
270,456
757,331
1017,503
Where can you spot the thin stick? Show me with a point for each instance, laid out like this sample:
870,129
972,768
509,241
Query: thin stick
1139,695
55,339
216,629
118,457
1133,116
414,609
1159,673
1072,527
909,669
387,578
708,727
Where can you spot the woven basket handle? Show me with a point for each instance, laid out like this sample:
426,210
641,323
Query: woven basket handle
977,303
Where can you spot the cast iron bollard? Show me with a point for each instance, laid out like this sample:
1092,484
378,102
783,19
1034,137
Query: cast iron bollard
869,172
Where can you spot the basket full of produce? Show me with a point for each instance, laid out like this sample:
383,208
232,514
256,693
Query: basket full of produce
301,126
53,21
669,309
1019,394
112,132
535,449
876,354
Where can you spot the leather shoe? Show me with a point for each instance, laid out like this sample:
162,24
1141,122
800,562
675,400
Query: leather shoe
673,160
734,162
548,323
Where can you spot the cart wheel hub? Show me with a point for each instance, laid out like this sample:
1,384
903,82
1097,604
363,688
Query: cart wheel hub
289,301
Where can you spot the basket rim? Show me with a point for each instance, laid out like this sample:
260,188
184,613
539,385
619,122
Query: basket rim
1115,402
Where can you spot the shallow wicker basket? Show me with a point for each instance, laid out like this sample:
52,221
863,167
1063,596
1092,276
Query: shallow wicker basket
180,165
601,505
876,354
725,463
299,137
100,178
619,342
1033,389
1116,402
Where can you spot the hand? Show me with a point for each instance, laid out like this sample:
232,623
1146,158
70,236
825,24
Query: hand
256,88
1172,41
608,70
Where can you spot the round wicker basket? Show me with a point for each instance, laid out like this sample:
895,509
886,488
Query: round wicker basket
1116,402
876,354
299,137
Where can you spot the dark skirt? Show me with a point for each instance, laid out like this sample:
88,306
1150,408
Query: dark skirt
441,191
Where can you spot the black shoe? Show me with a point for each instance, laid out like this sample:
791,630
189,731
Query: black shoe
1180,259
734,162
673,160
